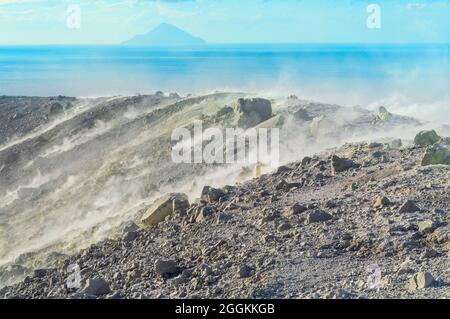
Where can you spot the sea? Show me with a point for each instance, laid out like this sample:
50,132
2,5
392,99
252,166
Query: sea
412,79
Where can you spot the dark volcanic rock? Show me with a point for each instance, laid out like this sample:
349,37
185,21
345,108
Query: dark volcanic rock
339,165
97,287
251,112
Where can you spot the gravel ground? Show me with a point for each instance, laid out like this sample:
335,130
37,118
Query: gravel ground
359,221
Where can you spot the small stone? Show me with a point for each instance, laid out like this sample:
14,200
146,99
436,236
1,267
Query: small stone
427,226
179,280
130,236
223,218
295,210
207,271
245,271
317,216
283,169
80,295
440,235
339,165
430,253
211,195
285,186
165,267
397,143
268,239
269,218
381,201
27,280
115,295
284,227
377,154
374,145
97,287
404,270
39,273
133,274
204,213
420,280
306,160
129,226
408,207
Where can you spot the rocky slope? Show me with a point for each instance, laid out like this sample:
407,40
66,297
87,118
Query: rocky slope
363,220
77,172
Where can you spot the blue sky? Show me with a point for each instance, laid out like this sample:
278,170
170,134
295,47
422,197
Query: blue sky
226,21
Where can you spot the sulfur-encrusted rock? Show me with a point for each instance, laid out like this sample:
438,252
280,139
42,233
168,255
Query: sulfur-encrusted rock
382,116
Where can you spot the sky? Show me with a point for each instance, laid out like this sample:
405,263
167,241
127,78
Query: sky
226,21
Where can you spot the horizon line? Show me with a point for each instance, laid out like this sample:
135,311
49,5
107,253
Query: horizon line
222,43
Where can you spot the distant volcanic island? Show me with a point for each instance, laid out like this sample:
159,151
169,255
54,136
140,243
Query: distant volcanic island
165,35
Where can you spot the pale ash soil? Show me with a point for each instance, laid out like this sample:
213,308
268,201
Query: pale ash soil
249,246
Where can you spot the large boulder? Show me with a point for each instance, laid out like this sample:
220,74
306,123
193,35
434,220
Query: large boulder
426,138
435,155
165,206
251,112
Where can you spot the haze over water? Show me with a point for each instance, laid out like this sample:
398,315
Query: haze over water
411,79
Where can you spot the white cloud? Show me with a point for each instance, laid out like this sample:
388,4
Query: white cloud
2,2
